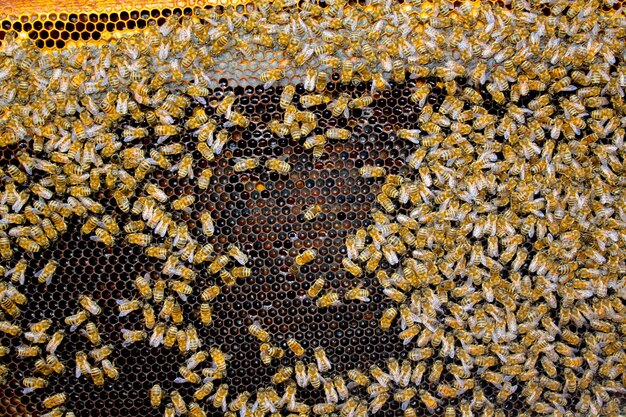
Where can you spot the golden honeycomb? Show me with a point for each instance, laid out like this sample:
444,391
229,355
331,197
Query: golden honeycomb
440,222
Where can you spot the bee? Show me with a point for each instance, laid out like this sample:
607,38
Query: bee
75,320
338,133
239,402
351,267
429,401
179,403
244,164
55,400
312,212
97,376
208,227
55,341
313,141
306,257
241,272
91,332
158,291
282,374
358,377
5,246
313,100
358,293
206,312
302,378
237,254
340,106
187,375
219,263
132,336
387,318
295,347
270,76
321,81
18,272
185,168
287,96
103,235
340,387
219,358
258,332
170,410
156,192
313,375
9,306
132,133
203,392
360,102
369,171
323,363
32,384
331,298
277,165
54,364
237,119
219,398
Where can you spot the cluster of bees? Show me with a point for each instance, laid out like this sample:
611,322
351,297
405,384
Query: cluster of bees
501,252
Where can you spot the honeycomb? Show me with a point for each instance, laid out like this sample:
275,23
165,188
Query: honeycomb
565,260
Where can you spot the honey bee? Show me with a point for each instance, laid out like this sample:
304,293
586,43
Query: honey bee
351,267
132,336
187,375
338,133
203,391
282,374
277,165
178,402
358,293
313,375
75,320
331,298
387,318
323,363
258,332
242,164
97,376
185,168
18,272
237,119
219,398
313,100
287,96
54,400
132,133
295,347
312,212
55,341
91,332
306,257
270,76
32,384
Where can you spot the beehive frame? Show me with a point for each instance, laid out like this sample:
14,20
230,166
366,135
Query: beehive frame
499,189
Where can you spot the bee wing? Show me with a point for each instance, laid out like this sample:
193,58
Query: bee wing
28,390
124,313
180,380
156,339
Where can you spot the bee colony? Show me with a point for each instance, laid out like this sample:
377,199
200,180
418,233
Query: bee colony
394,208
